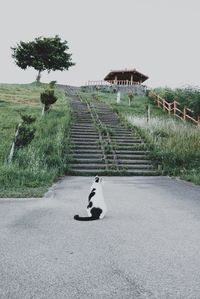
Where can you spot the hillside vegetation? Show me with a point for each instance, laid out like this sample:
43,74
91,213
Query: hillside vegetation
36,166
188,96
173,144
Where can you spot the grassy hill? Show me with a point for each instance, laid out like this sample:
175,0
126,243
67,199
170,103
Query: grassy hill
173,144
37,165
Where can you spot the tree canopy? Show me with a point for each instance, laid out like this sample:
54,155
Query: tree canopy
43,53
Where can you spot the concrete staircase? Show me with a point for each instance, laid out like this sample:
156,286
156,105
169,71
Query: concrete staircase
101,145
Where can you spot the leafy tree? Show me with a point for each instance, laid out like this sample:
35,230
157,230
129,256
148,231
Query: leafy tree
43,53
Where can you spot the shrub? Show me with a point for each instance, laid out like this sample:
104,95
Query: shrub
48,98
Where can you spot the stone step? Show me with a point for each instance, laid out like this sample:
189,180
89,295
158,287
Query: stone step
87,147
132,162
131,157
84,124
87,151
85,131
87,166
88,156
85,142
103,166
83,121
85,138
136,166
109,119
83,114
80,126
120,132
87,161
83,134
132,172
116,135
127,140
129,144
130,152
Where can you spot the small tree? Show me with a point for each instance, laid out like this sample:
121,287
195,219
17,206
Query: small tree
23,135
130,97
43,53
48,97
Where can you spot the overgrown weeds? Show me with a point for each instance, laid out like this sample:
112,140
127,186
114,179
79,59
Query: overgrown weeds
36,166
175,146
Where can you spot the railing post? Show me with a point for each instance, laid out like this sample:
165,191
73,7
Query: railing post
169,108
184,113
198,121
175,106
158,102
163,103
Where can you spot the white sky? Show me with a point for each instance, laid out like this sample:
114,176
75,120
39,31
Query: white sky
160,38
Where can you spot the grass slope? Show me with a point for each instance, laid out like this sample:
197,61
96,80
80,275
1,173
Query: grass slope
39,164
174,145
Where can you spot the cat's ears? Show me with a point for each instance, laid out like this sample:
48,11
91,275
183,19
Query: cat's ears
96,179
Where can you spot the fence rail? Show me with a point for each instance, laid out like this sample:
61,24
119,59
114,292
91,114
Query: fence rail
97,83
112,82
173,108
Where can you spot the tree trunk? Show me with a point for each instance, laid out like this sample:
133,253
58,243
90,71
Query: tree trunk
12,150
38,76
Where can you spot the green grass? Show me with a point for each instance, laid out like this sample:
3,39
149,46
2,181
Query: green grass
174,146
45,159
138,104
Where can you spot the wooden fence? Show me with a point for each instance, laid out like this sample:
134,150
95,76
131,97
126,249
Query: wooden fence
173,108
112,82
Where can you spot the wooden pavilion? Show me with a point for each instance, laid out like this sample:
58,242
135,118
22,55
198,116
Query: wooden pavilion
125,77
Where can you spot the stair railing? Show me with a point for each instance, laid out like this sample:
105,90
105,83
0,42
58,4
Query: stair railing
173,108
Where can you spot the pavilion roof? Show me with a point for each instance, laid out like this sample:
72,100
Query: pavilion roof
126,75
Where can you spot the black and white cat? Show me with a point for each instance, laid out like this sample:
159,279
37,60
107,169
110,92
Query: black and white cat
96,208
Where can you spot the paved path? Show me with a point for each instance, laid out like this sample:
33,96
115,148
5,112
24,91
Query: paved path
148,246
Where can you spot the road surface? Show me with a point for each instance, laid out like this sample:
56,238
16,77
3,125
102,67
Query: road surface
148,246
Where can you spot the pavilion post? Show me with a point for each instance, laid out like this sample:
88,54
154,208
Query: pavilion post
131,79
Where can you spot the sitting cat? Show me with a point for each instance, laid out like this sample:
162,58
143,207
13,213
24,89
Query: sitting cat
96,208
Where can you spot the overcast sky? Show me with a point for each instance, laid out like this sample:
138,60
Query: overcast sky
160,38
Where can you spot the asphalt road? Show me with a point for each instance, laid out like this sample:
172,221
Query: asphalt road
148,246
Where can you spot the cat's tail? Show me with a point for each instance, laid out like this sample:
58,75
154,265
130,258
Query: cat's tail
77,217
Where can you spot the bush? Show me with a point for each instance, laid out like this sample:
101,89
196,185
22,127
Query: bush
48,98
